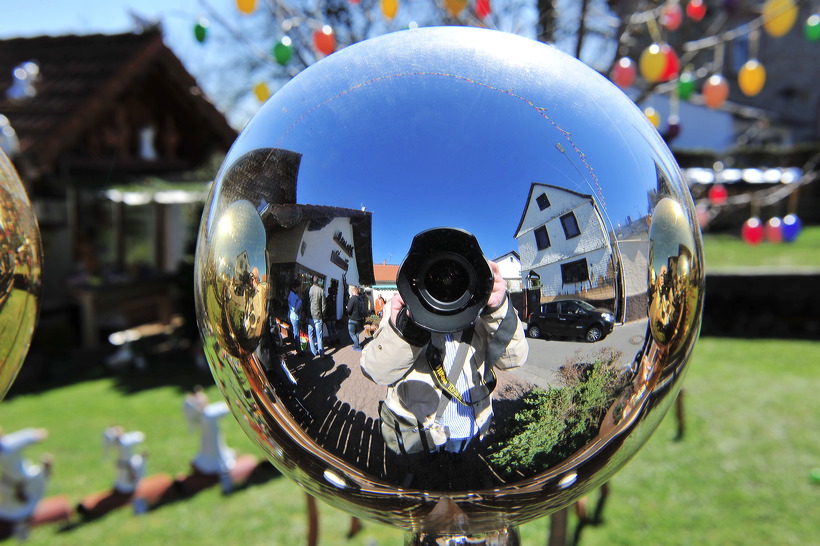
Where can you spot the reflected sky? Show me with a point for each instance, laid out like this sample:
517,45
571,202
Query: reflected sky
426,149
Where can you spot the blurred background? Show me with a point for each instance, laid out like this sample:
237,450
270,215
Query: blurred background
117,115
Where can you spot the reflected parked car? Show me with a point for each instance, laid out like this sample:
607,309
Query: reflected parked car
570,319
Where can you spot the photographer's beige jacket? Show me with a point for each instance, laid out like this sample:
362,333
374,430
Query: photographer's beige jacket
390,360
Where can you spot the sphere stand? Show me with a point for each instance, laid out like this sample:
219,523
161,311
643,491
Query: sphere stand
447,524
505,537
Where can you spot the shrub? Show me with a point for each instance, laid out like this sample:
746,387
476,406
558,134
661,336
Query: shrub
557,422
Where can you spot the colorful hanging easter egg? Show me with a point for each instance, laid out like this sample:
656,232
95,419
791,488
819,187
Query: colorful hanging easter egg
483,9
623,73
811,30
672,16
715,91
686,85
779,17
246,6
283,51
324,40
390,8
751,78
774,230
261,91
791,227
201,30
696,10
653,116
652,63
717,194
752,231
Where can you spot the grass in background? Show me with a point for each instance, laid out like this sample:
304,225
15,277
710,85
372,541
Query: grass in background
740,475
729,251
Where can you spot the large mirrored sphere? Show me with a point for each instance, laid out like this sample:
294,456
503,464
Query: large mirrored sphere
20,273
542,374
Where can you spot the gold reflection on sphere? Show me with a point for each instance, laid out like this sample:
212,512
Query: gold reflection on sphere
236,279
673,285
20,271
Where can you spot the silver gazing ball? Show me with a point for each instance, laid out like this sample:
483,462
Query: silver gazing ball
524,384
20,273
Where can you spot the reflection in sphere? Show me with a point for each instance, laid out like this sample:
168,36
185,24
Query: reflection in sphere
20,271
554,385
239,260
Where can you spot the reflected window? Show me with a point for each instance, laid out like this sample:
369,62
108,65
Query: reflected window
576,271
570,225
570,308
542,238
543,201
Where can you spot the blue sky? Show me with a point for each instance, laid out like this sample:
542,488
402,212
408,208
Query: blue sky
480,168
459,145
108,16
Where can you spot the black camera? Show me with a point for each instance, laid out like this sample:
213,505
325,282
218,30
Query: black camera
445,280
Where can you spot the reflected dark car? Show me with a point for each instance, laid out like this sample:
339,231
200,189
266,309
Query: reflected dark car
570,319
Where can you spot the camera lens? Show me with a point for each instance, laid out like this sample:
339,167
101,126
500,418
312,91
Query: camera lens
444,280
447,280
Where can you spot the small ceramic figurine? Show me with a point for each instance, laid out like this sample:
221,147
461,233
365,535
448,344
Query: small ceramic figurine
130,465
214,456
22,483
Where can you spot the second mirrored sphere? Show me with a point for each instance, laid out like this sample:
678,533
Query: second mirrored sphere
20,273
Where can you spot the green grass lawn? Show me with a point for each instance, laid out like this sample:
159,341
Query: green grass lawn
729,251
740,475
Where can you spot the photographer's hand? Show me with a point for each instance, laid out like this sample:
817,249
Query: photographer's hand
396,303
499,287
403,324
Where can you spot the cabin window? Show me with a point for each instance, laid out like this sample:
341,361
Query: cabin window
543,201
570,225
542,238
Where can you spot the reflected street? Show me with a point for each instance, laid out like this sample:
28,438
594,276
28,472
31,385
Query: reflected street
546,356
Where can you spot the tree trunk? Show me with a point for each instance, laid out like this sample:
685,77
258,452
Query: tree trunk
546,21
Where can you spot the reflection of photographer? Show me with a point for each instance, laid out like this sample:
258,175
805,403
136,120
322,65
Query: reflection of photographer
441,382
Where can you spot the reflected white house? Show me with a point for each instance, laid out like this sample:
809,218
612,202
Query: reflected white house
384,284
510,266
563,244
329,242
303,240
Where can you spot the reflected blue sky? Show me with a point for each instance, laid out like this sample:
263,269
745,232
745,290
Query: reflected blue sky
455,141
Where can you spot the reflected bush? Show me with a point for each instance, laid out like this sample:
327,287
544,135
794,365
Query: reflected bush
557,422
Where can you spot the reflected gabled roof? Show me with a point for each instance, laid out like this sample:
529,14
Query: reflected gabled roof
510,253
529,199
385,273
276,216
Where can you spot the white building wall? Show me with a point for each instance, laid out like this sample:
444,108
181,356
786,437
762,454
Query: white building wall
318,246
551,280
510,268
386,293
592,237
